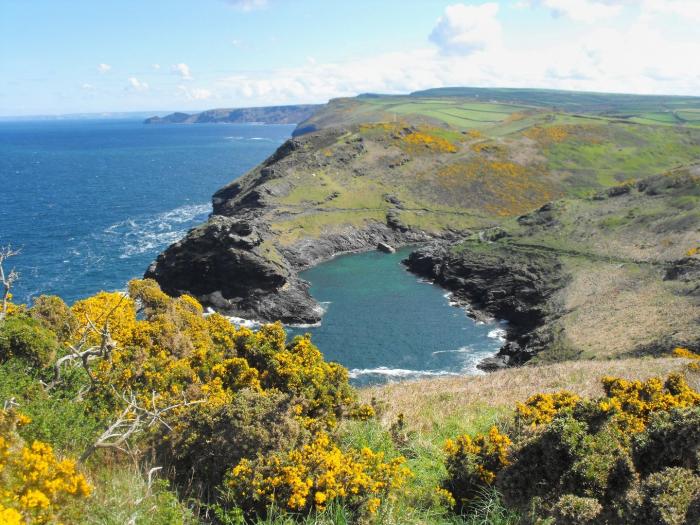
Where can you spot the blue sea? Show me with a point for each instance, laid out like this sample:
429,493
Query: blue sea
91,203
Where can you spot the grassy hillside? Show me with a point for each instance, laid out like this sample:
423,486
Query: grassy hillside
491,108
623,261
458,166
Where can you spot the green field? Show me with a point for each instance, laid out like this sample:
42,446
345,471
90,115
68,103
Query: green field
498,112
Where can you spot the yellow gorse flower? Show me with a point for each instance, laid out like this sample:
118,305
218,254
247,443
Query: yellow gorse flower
35,483
315,475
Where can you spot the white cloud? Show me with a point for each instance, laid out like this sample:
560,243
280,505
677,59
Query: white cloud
464,29
638,58
195,93
183,70
88,86
103,68
156,66
686,9
587,11
247,5
137,85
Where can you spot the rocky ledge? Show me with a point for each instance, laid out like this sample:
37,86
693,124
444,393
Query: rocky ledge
499,282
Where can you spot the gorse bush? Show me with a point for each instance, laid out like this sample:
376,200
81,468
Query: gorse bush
609,460
472,462
25,338
207,441
222,396
313,476
35,486
541,408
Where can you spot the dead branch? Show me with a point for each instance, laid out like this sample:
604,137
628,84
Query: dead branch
85,353
132,420
7,279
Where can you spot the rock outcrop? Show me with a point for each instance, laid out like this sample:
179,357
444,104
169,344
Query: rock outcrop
499,282
235,263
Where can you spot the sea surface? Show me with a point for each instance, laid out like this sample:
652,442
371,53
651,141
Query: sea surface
91,203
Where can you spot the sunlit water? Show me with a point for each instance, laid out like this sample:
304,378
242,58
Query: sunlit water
91,203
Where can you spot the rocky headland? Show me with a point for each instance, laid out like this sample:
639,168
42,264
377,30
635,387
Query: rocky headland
603,267
265,115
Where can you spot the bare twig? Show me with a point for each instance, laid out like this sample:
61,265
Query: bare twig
7,279
9,404
133,419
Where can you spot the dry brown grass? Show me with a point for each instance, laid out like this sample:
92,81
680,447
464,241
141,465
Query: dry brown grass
633,304
427,404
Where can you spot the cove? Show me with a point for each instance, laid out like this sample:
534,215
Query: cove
384,323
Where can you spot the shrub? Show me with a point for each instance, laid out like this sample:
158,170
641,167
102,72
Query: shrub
557,461
541,408
207,440
631,403
574,510
313,477
592,460
668,498
473,463
25,338
672,439
36,485
55,315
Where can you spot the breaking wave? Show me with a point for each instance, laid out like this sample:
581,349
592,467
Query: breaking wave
151,232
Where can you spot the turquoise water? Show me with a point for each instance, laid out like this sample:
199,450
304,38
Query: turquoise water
384,324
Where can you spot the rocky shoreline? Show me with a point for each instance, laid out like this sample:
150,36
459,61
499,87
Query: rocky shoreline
503,284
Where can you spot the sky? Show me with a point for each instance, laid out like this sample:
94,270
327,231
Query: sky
82,56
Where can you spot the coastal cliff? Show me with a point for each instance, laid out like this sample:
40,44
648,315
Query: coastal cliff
594,257
598,277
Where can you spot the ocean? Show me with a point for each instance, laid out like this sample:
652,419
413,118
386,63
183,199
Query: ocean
91,203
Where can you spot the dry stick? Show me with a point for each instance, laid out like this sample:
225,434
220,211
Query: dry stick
107,346
7,280
132,420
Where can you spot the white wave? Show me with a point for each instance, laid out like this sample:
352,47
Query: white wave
398,372
498,333
462,350
240,322
305,325
261,138
150,232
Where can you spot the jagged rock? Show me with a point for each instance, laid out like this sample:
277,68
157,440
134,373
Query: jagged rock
504,284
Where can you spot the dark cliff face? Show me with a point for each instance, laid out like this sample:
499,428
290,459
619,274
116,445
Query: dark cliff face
504,283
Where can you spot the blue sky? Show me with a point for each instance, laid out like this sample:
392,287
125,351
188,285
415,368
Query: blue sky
133,55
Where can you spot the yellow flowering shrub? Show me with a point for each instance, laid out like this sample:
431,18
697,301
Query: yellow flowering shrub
34,483
685,353
540,409
315,475
548,134
425,139
171,349
301,371
631,403
473,462
692,252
